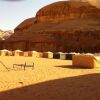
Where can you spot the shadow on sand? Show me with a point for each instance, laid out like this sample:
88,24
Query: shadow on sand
71,67
84,87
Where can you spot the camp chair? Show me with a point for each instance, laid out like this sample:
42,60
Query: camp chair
26,64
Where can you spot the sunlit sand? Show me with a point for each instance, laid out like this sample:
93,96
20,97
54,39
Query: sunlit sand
44,70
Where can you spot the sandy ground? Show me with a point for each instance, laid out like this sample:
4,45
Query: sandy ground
50,79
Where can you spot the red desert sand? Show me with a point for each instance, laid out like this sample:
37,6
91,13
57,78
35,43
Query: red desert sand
51,79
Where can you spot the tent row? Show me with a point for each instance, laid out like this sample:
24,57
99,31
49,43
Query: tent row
59,55
26,53
18,53
80,60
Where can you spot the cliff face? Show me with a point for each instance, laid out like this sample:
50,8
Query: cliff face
62,11
61,26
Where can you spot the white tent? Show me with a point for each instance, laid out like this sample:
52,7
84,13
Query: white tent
18,53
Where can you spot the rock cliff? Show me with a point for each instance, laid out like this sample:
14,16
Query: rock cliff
62,26
62,11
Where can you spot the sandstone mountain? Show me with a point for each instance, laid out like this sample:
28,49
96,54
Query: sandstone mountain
62,26
5,34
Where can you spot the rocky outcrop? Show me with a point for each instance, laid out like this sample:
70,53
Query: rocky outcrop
5,34
62,11
62,26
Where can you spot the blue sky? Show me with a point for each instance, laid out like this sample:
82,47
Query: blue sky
13,12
